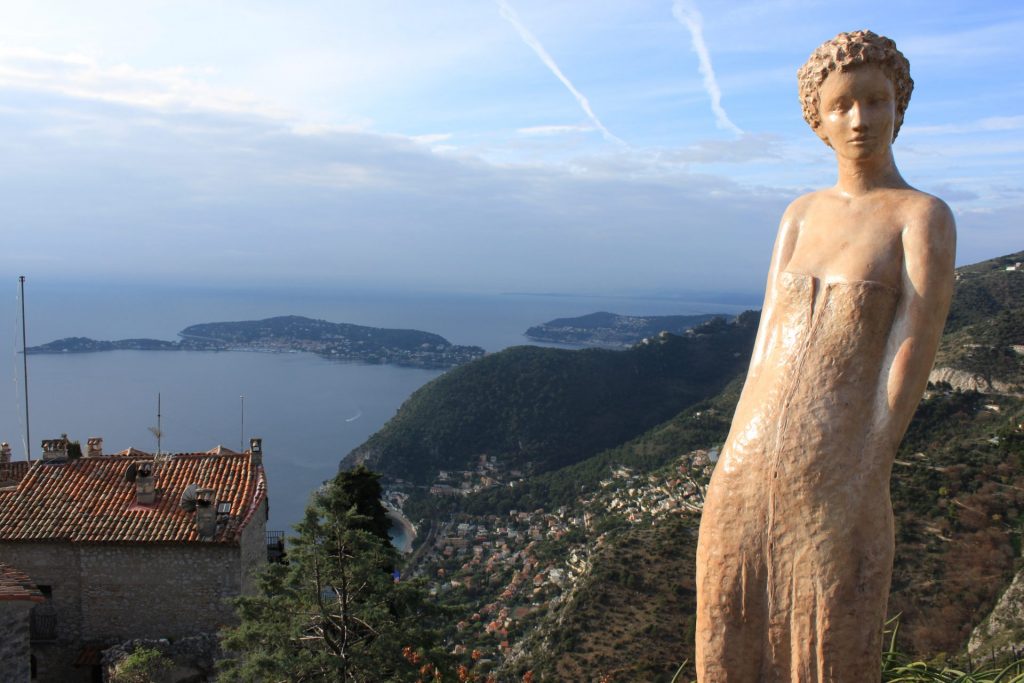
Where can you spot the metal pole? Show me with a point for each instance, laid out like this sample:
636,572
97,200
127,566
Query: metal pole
241,436
24,361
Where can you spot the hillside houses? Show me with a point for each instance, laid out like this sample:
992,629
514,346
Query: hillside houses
526,563
130,545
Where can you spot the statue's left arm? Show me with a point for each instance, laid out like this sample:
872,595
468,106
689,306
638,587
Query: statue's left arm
929,249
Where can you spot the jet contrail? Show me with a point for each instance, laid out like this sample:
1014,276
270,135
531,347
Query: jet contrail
687,14
509,15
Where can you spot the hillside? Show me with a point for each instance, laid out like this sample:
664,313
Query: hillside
550,572
541,409
613,330
984,335
602,585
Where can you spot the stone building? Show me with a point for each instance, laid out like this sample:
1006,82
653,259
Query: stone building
18,595
130,546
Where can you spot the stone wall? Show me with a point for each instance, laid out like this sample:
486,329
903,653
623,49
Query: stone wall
106,593
164,591
55,565
254,548
14,641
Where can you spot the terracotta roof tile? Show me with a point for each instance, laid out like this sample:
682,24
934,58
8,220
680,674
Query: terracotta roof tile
16,585
88,500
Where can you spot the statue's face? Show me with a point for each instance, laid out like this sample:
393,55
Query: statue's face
857,109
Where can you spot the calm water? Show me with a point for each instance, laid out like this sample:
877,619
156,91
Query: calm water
309,411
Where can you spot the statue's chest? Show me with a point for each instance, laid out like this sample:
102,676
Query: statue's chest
862,247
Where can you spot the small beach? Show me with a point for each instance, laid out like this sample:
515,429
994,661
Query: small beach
402,531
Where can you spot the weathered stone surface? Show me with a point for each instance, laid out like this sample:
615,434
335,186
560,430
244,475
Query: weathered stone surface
795,552
967,381
1002,632
14,641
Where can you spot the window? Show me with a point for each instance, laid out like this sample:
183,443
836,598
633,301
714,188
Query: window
43,618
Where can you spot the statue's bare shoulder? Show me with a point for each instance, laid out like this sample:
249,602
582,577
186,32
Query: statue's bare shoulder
798,209
792,221
928,239
926,217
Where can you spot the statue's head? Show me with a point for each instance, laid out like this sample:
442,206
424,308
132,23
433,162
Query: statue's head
849,51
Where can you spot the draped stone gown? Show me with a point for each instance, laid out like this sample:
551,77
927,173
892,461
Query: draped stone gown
795,552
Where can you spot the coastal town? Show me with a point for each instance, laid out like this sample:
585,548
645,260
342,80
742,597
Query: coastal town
293,334
514,568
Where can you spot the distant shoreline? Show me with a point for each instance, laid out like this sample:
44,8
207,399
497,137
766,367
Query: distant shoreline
290,334
408,530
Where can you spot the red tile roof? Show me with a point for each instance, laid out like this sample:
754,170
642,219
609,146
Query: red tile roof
15,585
88,500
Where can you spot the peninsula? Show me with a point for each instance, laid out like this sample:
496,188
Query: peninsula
338,341
611,330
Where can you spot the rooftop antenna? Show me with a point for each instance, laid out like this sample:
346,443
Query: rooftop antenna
24,361
157,432
241,436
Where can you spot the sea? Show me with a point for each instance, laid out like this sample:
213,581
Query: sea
309,411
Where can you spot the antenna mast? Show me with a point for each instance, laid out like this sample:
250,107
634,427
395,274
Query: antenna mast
24,361
157,431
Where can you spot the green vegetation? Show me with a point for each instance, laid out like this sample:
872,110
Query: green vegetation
985,327
987,348
632,616
900,668
957,489
335,612
984,290
700,426
295,327
592,577
544,409
610,329
144,665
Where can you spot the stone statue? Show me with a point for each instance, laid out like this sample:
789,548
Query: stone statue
796,542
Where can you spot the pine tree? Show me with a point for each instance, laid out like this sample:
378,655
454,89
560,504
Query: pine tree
334,612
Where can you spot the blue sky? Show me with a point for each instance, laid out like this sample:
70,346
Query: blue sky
612,147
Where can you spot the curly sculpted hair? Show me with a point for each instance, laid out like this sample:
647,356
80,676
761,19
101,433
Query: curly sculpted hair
847,51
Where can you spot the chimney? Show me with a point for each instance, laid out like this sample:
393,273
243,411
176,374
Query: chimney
145,488
206,512
255,452
55,450
5,453
94,446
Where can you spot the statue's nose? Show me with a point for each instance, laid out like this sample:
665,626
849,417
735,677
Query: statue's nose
857,118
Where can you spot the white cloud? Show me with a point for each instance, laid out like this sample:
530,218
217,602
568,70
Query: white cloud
172,201
511,17
82,77
431,138
985,125
554,129
743,149
687,14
